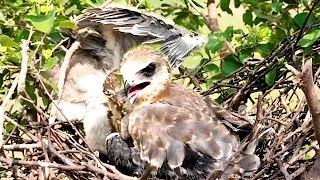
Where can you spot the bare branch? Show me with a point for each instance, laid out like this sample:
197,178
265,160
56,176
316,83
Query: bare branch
11,162
34,138
311,95
24,63
3,106
283,170
13,147
214,26
292,69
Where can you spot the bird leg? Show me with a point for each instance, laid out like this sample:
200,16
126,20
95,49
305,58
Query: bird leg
147,172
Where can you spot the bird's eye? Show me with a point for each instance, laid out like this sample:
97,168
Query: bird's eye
149,70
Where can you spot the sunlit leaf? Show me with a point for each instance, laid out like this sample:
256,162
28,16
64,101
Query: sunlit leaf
66,24
2,18
215,42
50,62
310,38
264,35
43,23
310,154
45,9
71,9
47,53
47,82
7,41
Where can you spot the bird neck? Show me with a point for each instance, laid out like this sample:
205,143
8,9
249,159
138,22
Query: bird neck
151,94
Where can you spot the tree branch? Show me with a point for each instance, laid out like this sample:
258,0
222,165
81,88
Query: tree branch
214,26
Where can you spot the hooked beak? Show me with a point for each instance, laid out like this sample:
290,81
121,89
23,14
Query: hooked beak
132,91
127,87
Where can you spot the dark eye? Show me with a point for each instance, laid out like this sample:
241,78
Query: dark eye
149,70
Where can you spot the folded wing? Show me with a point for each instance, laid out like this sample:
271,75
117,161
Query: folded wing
163,131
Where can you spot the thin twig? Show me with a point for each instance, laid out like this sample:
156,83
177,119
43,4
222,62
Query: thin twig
3,106
28,133
24,63
11,162
195,7
14,147
283,170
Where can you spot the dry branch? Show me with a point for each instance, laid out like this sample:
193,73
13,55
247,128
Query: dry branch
307,85
214,26
3,106
11,162
24,63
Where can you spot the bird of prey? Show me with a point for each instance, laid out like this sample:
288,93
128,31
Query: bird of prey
110,31
170,124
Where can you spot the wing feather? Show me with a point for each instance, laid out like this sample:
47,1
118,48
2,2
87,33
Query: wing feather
128,20
162,132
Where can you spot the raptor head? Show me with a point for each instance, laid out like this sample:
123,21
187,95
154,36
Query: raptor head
145,72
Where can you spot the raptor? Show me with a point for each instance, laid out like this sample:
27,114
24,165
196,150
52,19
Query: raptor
170,123
106,34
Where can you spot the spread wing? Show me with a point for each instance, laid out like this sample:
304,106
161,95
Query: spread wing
162,132
178,44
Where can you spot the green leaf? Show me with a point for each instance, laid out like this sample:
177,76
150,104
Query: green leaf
310,154
45,9
2,18
224,5
265,49
47,82
306,146
245,55
300,19
230,64
50,63
261,15
3,48
71,9
66,24
270,77
43,23
237,3
248,18
228,33
47,53
212,69
309,39
264,35
277,7
7,41
215,42
9,127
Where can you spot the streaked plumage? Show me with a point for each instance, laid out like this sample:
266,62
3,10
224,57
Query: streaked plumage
169,122
109,33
